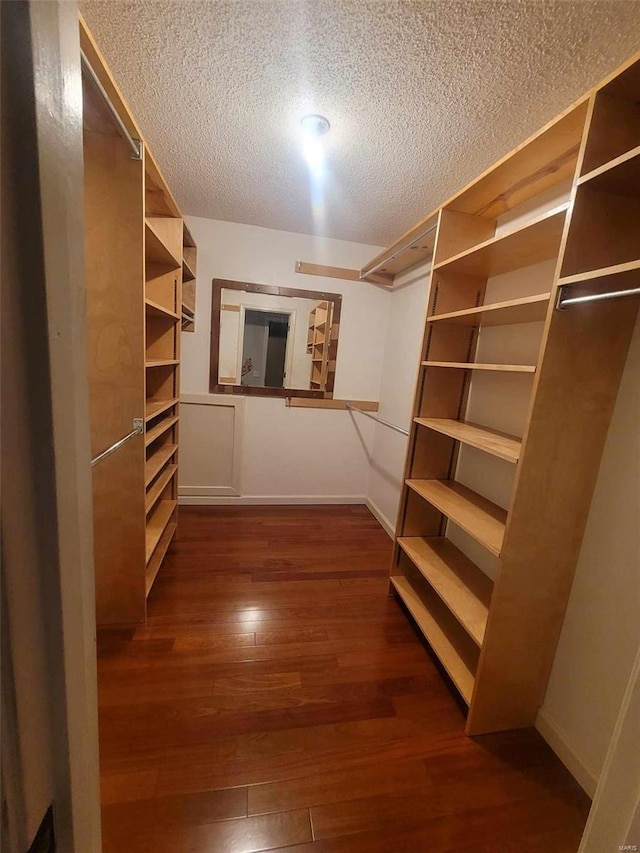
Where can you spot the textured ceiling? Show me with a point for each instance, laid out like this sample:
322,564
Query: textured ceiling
421,96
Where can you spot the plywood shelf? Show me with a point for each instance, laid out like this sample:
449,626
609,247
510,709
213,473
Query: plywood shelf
472,365
532,243
609,273
156,249
154,493
442,632
160,310
159,429
461,585
157,461
620,175
477,516
160,362
529,309
187,272
155,563
498,444
153,408
156,525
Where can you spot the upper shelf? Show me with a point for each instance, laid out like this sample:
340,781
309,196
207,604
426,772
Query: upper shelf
475,365
529,309
620,175
546,159
159,245
535,241
496,443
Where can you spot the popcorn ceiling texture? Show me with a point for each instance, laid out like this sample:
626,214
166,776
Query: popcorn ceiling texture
422,95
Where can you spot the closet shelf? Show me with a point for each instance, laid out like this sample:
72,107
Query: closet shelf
154,308
154,564
158,487
156,525
535,241
187,273
441,631
156,251
157,461
472,365
620,175
529,309
461,585
477,516
605,275
159,429
161,362
496,443
156,407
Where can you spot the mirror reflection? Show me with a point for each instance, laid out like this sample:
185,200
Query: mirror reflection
278,340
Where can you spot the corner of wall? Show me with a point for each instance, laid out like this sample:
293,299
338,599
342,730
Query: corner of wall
567,752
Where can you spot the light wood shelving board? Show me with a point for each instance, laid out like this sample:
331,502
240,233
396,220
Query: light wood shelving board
157,524
620,176
157,461
160,362
159,429
474,365
620,276
155,563
498,444
531,243
477,516
160,310
156,249
456,664
463,587
156,490
527,309
153,408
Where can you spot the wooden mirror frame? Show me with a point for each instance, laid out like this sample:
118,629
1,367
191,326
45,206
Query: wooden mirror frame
220,284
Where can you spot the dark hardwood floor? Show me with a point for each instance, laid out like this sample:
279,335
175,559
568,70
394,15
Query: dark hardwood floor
278,699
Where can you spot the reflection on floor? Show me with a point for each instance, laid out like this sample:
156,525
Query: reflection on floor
277,698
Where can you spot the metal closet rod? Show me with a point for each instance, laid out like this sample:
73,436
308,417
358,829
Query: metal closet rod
398,251
593,297
138,428
134,144
377,419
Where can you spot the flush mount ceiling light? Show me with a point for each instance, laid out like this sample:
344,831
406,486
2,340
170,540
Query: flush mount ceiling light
315,125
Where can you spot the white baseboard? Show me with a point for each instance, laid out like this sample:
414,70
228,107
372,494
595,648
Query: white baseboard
269,500
374,509
586,777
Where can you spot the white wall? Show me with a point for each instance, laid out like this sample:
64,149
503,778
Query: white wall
295,454
403,339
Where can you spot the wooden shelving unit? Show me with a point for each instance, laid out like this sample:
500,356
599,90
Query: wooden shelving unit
137,250
189,269
497,638
319,345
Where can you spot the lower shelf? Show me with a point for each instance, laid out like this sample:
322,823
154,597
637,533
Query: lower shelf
156,526
462,586
153,567
450,642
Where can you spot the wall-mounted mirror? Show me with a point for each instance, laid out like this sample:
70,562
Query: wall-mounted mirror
273,341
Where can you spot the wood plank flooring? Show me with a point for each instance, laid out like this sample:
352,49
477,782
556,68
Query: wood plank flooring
277,699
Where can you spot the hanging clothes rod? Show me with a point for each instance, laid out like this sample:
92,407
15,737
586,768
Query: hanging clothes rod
377,419
134,144
593,297
399,251
138,428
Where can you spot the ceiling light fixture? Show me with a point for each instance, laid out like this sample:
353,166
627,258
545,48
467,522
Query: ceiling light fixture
315,125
